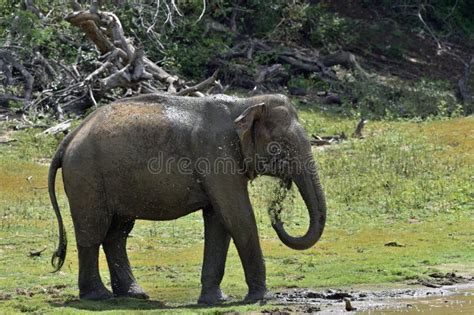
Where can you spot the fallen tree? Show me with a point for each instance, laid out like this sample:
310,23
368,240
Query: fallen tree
121,69
299,61
121,64
327,140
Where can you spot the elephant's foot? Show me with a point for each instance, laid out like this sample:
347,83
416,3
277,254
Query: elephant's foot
98,294
212,297
255,296
135,291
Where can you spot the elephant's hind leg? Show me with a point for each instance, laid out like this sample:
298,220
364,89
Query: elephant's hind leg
216,245
91,286
123,281
90,224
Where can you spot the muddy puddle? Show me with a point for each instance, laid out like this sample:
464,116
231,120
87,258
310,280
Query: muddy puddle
458,300
452,298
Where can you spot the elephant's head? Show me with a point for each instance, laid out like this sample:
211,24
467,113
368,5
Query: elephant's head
274,143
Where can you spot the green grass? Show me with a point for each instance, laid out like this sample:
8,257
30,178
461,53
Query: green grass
408,182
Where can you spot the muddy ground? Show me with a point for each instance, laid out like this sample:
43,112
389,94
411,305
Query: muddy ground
439,294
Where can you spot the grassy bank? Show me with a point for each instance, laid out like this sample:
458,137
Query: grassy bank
406,182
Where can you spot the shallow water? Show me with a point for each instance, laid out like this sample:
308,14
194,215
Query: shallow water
460,302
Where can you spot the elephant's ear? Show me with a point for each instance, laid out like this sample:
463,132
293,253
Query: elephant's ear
245,125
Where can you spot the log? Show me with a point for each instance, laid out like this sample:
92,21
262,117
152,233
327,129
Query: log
129,76
266,72
331,98
62,127
326,140
297,91
343,58
121,65
200,86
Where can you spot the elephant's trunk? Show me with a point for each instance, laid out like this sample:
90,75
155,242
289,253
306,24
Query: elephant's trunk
313,196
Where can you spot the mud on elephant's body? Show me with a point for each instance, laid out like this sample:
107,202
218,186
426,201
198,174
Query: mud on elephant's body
159,157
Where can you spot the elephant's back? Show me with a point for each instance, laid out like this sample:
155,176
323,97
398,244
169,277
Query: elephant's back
132,130
129,133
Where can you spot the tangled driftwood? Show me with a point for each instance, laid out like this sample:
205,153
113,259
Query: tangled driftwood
122,65
121,69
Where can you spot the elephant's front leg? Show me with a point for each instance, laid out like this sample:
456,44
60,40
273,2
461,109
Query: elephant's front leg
216,245
231,201
246,240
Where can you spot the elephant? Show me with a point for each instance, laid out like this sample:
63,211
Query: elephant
117,168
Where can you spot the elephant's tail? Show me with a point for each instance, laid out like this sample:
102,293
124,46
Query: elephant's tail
60,254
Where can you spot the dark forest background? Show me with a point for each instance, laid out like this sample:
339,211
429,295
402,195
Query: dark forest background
378,59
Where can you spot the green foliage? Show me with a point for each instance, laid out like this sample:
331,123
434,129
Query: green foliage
292,22
29,34
384,37
445,16
309,84
262,16
328,29
392,98
191,54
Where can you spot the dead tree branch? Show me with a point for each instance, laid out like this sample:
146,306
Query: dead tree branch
300,60
200,86
62,127
28,78
120,66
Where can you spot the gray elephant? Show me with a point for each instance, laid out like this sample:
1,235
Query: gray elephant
159,157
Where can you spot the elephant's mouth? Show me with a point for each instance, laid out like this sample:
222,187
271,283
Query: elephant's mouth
279,195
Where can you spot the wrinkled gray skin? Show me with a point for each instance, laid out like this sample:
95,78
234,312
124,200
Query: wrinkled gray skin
110,182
